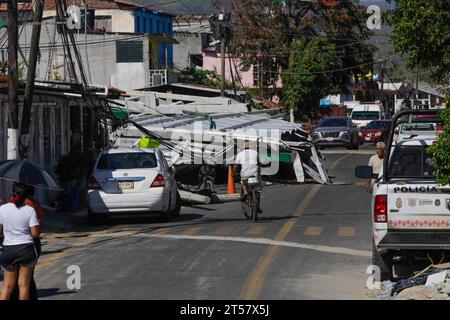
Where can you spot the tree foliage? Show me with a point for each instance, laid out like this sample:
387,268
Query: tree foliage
263,31
440,151
421,30
304,81
202,77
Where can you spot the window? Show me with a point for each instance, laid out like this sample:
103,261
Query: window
330,122
365,115
264,73
103,23
129,51
127,161
378,125
410,162
418,128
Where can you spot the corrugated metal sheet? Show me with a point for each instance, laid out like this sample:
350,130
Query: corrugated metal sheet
223,122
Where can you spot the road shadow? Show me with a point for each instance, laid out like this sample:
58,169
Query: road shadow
51,292
202,208
142,220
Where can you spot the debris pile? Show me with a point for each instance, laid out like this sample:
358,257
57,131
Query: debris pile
433,283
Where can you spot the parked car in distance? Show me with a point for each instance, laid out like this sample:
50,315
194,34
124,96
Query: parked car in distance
375,131
413,130
365,112
132,180
336,132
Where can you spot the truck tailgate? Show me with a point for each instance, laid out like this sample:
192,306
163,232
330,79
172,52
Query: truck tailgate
418,207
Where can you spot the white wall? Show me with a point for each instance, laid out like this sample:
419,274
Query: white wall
101,56
122,20
130,76
187,44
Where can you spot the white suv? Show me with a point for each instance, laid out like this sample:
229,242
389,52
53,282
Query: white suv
133,180
410,212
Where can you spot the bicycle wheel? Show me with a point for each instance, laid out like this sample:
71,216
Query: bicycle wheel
245,205
254,204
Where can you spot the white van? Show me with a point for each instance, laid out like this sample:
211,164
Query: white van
365,112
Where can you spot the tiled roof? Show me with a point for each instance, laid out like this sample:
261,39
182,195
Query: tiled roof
92,4
21,6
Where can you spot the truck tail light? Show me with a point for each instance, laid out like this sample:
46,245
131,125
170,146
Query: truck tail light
440,128
158,182
93,184
380,209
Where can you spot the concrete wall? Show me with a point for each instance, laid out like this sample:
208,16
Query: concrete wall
121,20
130,76
101,55
212,62
188,44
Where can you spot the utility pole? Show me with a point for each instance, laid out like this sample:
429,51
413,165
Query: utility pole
417,84
223,22
38,10
13,81
386,108
85,40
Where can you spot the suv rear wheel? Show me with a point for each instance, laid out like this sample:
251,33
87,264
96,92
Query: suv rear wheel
384,262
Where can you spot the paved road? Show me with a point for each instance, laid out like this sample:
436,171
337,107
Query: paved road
312,242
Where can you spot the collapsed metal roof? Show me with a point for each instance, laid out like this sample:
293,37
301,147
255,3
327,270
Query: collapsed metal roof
260,126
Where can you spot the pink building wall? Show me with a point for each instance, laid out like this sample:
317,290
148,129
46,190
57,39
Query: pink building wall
212,62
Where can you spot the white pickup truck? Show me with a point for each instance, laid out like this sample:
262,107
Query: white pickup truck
410,212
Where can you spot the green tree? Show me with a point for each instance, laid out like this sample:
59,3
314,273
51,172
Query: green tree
307,78
421,30
263,31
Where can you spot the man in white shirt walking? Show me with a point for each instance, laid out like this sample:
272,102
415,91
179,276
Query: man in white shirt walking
376,162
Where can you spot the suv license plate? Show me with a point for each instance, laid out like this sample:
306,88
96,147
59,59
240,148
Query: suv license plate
126,185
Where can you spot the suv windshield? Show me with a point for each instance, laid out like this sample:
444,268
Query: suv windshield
333,122
418,127
378,125
127,161
365,115
411,162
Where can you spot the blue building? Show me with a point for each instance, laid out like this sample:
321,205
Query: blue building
149,21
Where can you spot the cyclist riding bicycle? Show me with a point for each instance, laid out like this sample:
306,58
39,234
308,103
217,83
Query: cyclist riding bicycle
249,161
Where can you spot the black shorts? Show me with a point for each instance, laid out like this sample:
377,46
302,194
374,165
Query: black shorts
22,255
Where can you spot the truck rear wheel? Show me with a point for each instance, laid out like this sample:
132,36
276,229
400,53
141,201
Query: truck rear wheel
384,262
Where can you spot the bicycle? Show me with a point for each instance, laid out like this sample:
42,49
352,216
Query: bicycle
250,203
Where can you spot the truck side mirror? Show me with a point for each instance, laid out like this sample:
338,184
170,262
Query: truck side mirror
364,172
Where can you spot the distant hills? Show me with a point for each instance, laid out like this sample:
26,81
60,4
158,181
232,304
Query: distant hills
181,6
207,6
